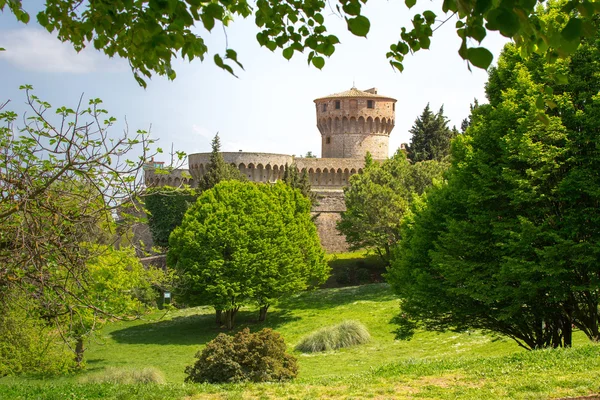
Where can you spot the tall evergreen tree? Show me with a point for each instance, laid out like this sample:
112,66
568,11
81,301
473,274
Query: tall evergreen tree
512,243
293,179
430,136
218,170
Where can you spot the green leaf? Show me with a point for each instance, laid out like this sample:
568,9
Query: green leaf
480,57
397,65
543,118
288,53
352,7
271,45
573,30
429,16
539,102
230,54
42,19
207,21
561,79
359,25
508,22
318,62
410,3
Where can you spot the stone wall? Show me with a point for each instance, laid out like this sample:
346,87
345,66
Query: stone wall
327,176
258,167
328,213
158,177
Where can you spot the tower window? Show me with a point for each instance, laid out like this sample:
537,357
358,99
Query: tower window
370,104
338,104
324,107
393,106
327,140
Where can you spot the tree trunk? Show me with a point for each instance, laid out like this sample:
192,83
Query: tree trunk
79,349
263,313
230,317
567,334
219,317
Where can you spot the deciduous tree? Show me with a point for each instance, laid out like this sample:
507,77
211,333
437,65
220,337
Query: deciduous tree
243,243
61,183
377,199
150,34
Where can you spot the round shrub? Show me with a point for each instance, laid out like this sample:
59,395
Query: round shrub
346,334
256,357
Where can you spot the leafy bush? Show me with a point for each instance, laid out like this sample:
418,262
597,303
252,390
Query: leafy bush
353,275
346,334
127,376
27,344
256,357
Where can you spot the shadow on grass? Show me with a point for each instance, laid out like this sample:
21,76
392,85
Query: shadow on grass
329,298
196,329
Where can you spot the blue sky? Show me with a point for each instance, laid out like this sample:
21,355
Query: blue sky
269,108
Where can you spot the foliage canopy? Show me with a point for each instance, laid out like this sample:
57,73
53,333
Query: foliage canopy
378,198
511,243
165,207
60,186
246,243
163,30
431,137
254,357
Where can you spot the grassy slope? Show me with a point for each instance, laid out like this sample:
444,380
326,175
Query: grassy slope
430,365
170,343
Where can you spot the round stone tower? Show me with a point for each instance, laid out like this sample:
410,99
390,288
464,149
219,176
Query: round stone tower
354,122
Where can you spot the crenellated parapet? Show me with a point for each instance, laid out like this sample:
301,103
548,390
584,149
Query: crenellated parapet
257,167
329,172
355,122
154,176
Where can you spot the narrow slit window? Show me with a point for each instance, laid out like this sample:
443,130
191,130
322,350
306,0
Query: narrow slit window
338,104
370,104
324,107
327,140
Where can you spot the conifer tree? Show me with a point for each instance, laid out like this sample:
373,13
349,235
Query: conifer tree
293,179
430,136
218,170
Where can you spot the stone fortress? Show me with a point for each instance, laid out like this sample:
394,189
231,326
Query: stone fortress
351,123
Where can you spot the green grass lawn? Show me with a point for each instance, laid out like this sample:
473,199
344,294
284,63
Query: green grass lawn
430,365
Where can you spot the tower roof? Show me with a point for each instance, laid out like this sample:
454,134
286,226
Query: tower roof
354,92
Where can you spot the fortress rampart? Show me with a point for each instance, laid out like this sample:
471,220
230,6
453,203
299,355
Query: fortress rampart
351,123
176,177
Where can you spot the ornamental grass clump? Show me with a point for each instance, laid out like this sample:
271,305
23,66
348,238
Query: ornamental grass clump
346,334
255,357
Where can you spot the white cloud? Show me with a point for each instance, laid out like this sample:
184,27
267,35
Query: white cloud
37,50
